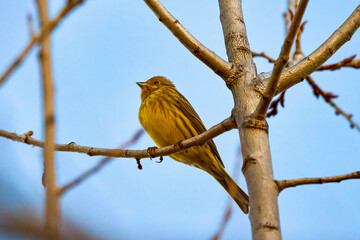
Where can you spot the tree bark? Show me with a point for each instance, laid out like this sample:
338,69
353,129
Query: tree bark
257,168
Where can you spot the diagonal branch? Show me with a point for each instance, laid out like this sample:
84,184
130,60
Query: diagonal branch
347,62
226,125
260,112
299,71
305,181
50,25
211,59
99,165
328,98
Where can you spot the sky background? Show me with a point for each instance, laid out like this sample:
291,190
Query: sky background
102,49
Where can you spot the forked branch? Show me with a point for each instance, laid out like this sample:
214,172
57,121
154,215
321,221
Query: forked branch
270,91
35,38
305,67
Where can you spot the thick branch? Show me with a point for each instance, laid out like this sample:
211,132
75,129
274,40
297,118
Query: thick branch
99,165
299,71
213,61
281,62
46,29
304,181
52,213
216,130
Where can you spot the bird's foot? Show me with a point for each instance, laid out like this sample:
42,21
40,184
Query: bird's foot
150,151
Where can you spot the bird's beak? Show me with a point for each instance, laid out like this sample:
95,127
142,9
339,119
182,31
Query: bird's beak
141,84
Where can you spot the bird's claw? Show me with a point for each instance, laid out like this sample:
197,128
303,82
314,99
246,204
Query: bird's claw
150,151
160,160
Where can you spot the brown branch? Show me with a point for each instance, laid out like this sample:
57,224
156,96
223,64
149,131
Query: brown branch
347,62
211,59
52,211
99,165
309,64
271,60
270,91
327,96
304,181
298,54
46,29
216,130
274,105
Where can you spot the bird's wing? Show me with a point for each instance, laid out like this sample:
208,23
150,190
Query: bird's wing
190,113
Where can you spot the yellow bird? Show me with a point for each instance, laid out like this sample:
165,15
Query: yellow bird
168,118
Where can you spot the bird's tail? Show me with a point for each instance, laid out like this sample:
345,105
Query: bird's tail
239,196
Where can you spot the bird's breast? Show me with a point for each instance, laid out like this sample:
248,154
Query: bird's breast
164,121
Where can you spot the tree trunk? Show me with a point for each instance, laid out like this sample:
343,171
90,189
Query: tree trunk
257,168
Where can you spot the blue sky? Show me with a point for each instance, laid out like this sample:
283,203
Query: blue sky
102,49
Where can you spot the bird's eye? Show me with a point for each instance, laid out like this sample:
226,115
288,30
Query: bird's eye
156,82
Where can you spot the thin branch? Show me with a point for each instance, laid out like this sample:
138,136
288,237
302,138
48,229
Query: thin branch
99,165
260,112
35,38
304,181
298,54
347,62
299,71
271,60
211,59
202,138
52,212
328,98
274,105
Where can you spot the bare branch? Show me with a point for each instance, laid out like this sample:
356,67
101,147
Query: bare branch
304,181
274,105
299,71
347,62
328,98
271,60
211,59
216,130
52,212
35,38
100,164
260,113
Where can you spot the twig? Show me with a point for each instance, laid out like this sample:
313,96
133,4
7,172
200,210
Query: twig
328,98
304,181
45,31
211,59
274,105
269,93
99,165
228,209
347,62
52,212
271,60
216,130
298,54
309,64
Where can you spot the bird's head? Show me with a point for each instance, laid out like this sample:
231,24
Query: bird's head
152,85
